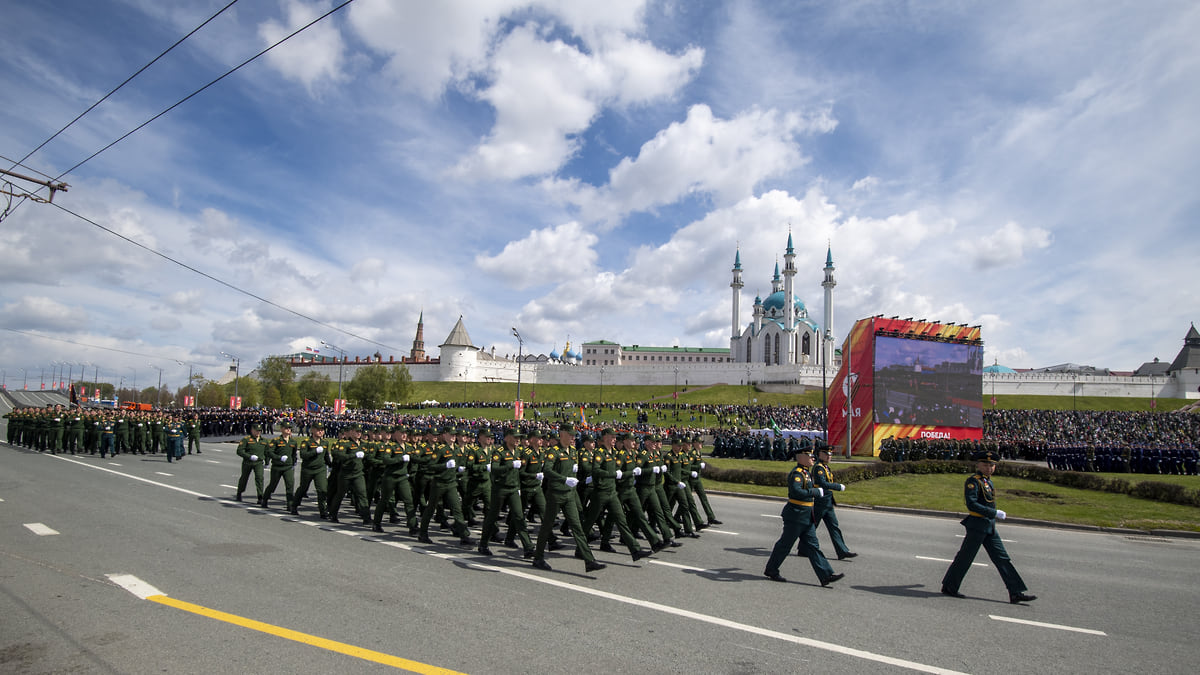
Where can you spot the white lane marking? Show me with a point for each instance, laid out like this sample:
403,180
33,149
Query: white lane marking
212,461
1007,541
677,566
231,487
164,474
667,609
712,531
126,475
770,515
40,530
1,500
134,585
1040,624
113,464
945,560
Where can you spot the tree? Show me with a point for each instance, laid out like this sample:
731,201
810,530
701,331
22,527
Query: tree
211,395
402,385
272,397
291,395
369,387
275,371
315,387
248,388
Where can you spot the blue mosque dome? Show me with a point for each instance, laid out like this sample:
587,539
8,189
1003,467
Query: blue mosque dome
774,303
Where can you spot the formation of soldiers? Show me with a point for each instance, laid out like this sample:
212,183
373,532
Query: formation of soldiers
107,431
1177,459
774,447
500,480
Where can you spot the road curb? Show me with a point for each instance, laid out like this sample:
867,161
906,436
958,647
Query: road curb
1179,534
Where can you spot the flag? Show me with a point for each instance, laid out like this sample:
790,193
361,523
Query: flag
775,428
311,406
312,351
74,397
582,417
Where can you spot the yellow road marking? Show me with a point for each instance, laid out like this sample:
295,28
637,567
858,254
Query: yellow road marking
305,638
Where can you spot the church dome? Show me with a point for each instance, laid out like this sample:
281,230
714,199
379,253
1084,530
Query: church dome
774,303
554,354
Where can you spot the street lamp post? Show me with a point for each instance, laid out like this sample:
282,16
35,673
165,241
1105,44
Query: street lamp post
601,387
136,393
520,357
157,392
676,395
191,387
25,376
341,361
237,372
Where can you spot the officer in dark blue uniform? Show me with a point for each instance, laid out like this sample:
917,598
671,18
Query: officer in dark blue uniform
798,524
981,531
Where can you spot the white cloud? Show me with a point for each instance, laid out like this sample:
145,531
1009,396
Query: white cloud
43,313
1005,246
549,255
368,271
547,91
313,56
702,154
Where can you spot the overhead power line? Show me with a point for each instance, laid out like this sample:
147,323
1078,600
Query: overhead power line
224,283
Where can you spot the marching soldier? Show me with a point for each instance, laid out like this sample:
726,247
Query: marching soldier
696,480
981,531
604,476
798,524
505,468
823,505
351,452
252,450
282,453
558,472
313,458
443,489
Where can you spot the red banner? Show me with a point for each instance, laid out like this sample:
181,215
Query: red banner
519,410
235,402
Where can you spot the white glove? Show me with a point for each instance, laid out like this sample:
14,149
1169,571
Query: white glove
820,492
841,487
637,470
695,475
283,459
681,485
657,469
703,465
450,464
574,468
588,481
320,448
360,454
488,468
540,476
664,468
406,458
462,469
1000,514
516,463
572,482
253,458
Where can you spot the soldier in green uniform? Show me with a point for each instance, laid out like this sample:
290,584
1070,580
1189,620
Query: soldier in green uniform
350,476
393,461
798,524
252,450
108,437
604,476
678,493
980,522
193,434
649,468
823,505
505,465
696,479
623,447
443,489
73,439
313,456
479,477
56,428
558,472
282,452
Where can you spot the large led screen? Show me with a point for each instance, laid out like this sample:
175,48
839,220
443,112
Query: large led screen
928,383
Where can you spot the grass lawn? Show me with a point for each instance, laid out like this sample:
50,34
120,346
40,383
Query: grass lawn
1020,498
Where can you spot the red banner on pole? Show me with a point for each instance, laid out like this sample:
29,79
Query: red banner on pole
519,410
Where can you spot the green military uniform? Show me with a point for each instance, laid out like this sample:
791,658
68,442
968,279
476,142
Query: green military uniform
395,459
252,450
73,439
558,470
823,506
351,478
193,435
505,468
479,479
313,456
443,490
282,452
677,490
696,479
604,474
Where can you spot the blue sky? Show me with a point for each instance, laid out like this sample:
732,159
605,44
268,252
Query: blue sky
587,171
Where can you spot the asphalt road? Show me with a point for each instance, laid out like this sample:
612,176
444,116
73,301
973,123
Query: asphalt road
357,601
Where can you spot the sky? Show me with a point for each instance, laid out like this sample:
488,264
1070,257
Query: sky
587,171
